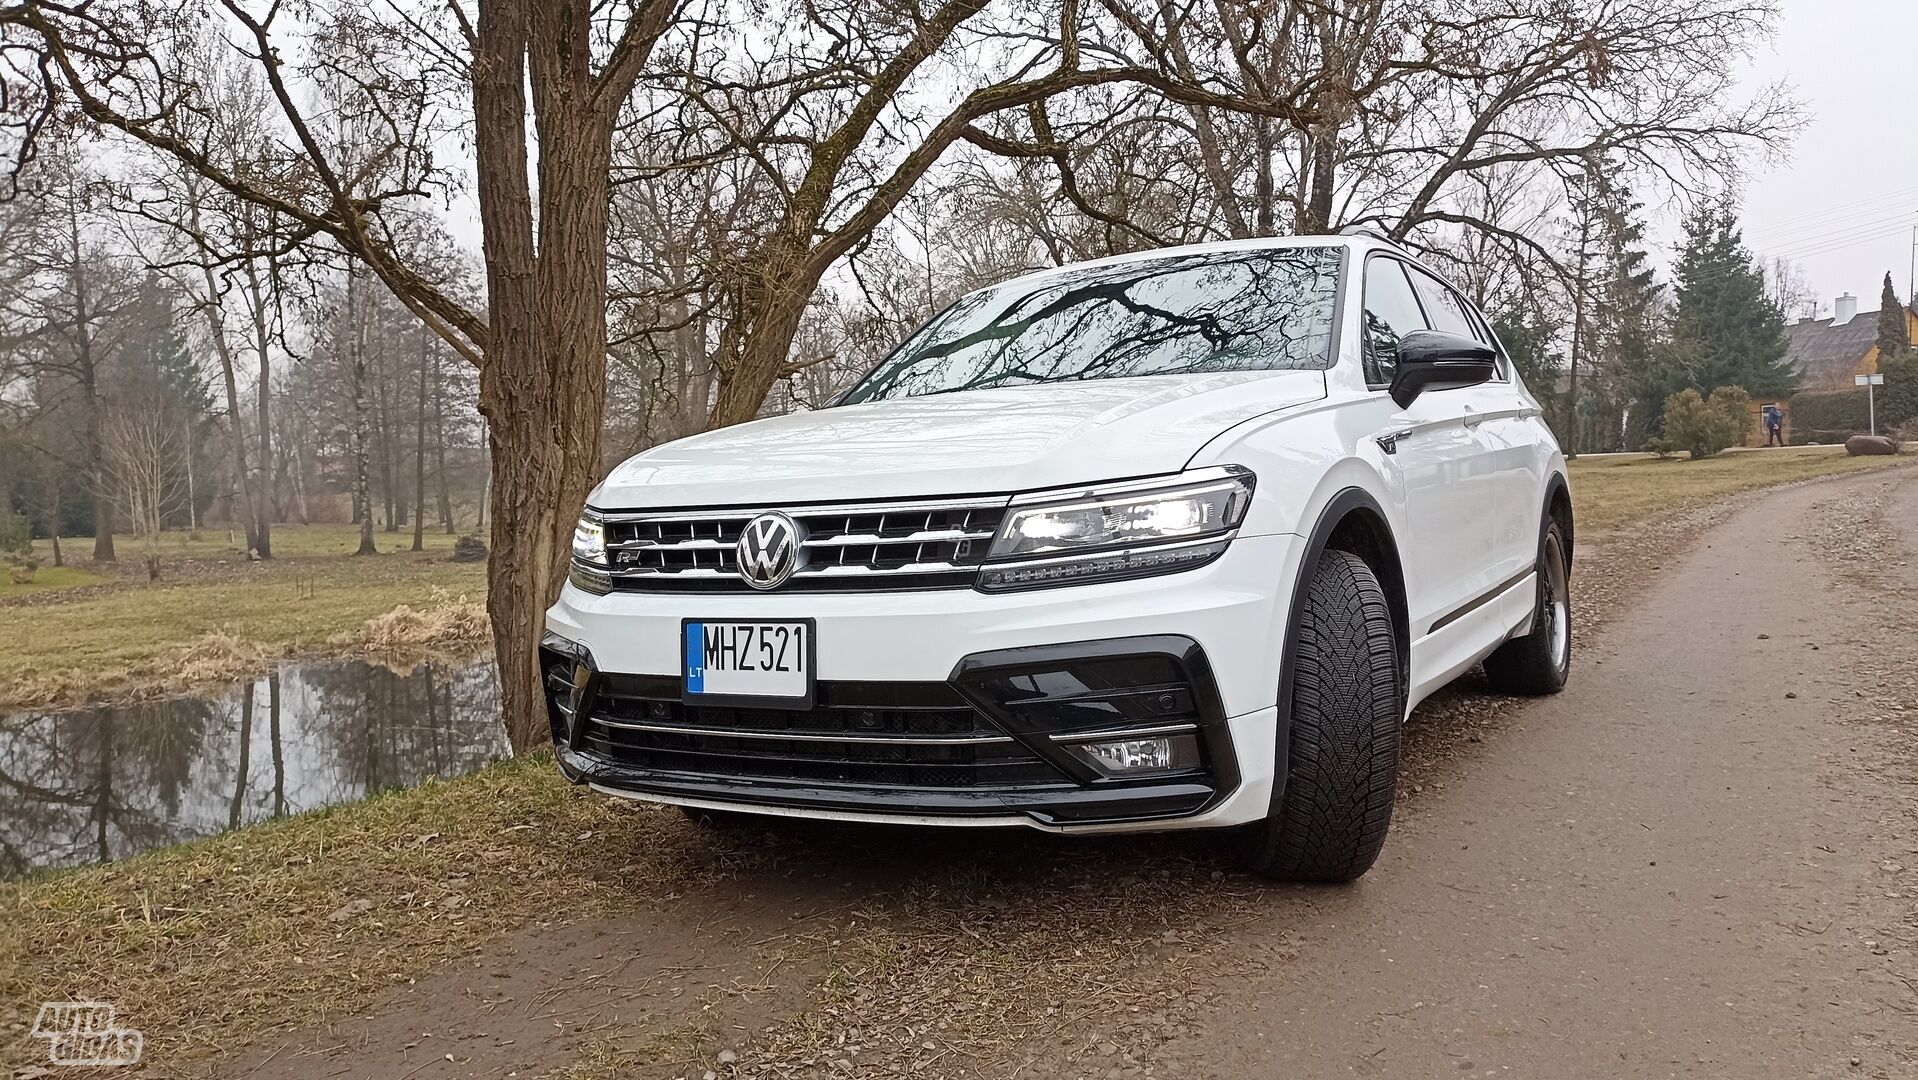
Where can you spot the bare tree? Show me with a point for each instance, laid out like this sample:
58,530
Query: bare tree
73,290
818,137
540,344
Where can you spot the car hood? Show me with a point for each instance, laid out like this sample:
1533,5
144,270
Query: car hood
973,442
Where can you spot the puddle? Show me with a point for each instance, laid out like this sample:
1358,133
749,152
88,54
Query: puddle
98,784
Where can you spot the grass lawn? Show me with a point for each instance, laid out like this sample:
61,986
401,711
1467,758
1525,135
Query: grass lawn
49,577
88,630
1611,491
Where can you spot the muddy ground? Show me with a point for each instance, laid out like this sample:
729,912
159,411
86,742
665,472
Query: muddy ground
1699,860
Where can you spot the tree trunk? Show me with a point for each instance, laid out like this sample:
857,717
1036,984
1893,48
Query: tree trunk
1318,211
1581,295
419,455
53,523
1264,191
543,385
262,402
356,360
90,399
486,474
192,506
439,445
763,345
248,509
216,329
388,492
297,471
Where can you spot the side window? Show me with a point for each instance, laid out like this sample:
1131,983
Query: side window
1391,312
1486,335
1445,307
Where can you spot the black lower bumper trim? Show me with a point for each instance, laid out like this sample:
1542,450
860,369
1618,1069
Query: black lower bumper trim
1065,804
1024,717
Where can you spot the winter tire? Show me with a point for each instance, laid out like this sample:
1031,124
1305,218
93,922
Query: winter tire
1539,662
1329,821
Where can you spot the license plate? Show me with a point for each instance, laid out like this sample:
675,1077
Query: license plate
748,663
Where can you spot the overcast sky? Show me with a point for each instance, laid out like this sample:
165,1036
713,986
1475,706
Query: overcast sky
1843,206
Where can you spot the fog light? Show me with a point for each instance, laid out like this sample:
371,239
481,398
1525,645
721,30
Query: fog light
1121,757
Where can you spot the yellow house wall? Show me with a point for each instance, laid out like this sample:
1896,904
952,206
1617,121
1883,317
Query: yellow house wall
1869,365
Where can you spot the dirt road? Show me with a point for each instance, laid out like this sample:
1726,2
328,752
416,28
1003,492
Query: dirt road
1700,860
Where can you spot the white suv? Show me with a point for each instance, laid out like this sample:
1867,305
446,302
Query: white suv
1173,540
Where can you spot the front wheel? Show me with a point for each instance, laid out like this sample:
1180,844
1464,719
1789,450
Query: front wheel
1329,821
1539,662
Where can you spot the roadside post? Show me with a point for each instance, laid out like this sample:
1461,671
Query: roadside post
1871,395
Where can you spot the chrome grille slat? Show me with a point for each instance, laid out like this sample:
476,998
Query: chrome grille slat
921,544
926,537
678,545
995,504
821,571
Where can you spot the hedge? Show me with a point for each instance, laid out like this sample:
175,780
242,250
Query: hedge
1828,416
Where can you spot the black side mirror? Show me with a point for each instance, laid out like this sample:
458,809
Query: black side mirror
1436,360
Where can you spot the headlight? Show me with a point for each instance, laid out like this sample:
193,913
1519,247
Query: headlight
589,541
1128,530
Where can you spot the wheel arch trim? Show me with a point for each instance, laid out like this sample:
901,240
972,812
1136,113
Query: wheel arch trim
1556,489
1343,504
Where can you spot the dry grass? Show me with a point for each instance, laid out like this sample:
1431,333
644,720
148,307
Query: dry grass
1611,491
443,622
293,921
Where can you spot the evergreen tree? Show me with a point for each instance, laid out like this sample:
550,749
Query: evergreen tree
1725,330
1616,324
154,360
1528,335
1894,336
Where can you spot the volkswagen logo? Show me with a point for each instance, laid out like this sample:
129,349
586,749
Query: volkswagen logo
769,550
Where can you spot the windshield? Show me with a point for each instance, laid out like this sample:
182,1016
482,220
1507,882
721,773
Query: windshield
1231,311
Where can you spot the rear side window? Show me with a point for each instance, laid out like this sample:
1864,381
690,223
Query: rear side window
1445,308
1391,312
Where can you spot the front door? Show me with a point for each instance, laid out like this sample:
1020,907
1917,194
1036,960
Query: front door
1440,456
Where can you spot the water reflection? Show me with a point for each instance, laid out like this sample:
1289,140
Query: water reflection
99,784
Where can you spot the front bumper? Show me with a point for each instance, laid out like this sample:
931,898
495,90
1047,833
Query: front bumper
1013,681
